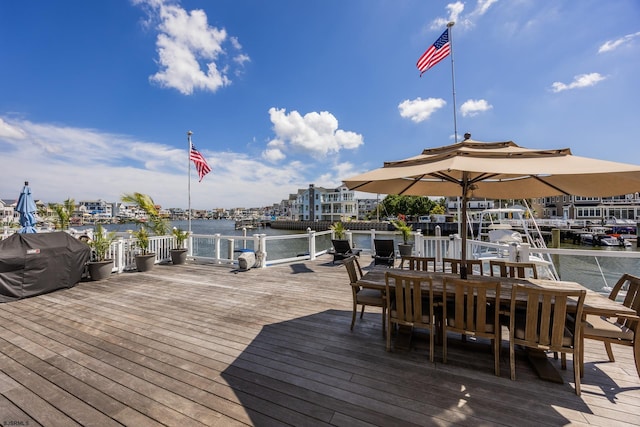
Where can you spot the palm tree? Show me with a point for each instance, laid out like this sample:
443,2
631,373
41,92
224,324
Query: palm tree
157,224
64,212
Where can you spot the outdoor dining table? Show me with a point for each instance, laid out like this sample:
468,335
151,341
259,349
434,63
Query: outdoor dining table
594,303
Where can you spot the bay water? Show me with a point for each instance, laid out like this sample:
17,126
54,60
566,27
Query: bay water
597,274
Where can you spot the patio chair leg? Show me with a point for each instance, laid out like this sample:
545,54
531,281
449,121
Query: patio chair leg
607,346
576,374
362,312
353,315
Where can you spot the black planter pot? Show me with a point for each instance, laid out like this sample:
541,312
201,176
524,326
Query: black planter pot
405,250
178,256
145,262
100,270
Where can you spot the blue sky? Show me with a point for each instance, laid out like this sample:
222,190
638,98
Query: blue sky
96,98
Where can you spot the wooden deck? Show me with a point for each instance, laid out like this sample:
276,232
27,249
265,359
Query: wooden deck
207,345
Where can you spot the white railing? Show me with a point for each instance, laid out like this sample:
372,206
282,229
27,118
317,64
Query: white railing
599,267
596,269
124,250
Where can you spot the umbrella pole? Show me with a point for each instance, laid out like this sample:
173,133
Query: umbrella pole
463,256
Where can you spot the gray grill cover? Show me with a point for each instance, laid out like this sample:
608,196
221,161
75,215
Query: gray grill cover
34,264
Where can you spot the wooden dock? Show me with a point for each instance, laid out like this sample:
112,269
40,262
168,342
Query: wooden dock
206,345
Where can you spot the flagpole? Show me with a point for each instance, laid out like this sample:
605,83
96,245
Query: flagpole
462,219
453,82
189,133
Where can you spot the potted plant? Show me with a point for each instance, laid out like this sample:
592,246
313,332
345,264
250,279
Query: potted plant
179,253
145,260
404,248
156,223
338,229
100,266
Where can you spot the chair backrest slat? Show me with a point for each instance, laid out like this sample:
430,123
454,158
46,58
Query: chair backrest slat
513,269
420,263
352,266
407,292
474,266
546,315
631,285
472,299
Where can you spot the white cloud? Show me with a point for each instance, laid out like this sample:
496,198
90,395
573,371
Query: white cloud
62,162
339,171
419,109
579,81
610,45
184,40
273,153
454,9
483,6
8,131
455,14
315,134
473,107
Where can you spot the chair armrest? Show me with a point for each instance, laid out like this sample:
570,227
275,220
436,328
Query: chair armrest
633,317
369,285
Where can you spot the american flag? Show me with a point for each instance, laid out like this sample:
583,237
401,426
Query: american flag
436,53
201,164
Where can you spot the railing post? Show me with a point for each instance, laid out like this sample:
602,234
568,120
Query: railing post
373,237
349,235
439,242
244,234
263,250
312,244
523,252
257,249
513,252
119,255
454,246
231,249
418,242
216,245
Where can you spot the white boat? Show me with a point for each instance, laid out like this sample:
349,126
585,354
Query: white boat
508,233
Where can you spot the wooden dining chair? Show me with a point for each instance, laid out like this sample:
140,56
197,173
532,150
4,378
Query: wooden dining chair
503,268
363,296
419,263
407,305
538,319
474,266
471,310
619,329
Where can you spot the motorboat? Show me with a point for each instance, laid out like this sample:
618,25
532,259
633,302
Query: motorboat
511,233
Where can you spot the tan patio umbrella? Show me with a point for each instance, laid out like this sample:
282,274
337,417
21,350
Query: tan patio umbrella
497,170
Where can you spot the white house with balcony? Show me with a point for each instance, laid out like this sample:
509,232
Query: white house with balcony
323,204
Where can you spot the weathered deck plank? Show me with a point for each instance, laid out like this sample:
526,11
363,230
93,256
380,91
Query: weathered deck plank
206,345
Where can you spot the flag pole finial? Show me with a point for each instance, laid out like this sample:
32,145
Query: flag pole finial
450,24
